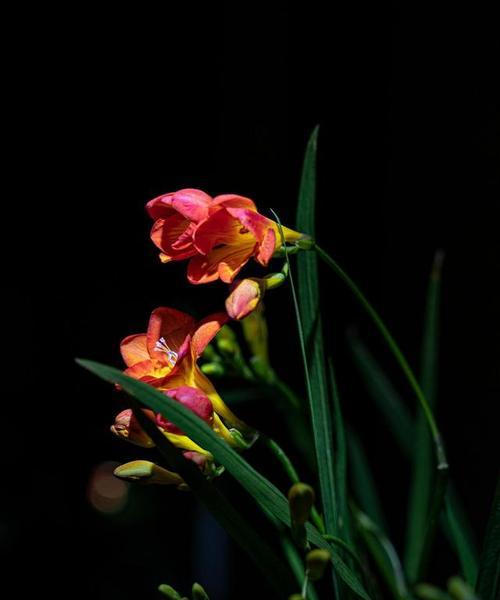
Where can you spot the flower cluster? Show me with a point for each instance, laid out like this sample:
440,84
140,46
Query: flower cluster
218,236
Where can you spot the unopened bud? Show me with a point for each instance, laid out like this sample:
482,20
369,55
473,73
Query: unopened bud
169,592
316,563
199,593
296,597
144,471
460,590
301,499
274,280
226,341
127,427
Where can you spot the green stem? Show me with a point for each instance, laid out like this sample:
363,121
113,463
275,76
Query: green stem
442,463
290,470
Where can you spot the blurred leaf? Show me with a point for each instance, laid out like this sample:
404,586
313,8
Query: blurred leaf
308,284
340,459
488,580
267,496
400,423
383,393
423,467
362,481
383,553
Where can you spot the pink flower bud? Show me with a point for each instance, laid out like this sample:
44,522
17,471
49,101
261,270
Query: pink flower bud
127,427
244,297
193,399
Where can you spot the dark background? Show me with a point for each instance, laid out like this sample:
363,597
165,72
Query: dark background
108,110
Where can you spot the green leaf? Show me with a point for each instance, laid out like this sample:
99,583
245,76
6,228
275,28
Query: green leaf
383,553
267,496
229,518
401,425
308,284
340,459
456,529
383,394
422,484
362,481
488,580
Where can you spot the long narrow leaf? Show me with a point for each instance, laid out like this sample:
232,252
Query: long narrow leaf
401,425
307,264
363,483
383,394
340,460
488,580
267,496
225,513
423,472
383,553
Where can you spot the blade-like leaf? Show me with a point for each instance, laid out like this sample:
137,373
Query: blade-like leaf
340,459
228,517
488,580
267,496
423,472
307,264
401,425
383,553
362,481
383,394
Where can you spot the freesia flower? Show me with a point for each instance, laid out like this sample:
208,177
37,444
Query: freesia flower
219,235
166,358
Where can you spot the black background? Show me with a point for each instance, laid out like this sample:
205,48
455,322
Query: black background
108,110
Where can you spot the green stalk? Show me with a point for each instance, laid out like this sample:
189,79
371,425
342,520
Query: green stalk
292,474
442,463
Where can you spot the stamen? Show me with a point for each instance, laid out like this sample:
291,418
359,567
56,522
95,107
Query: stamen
162,346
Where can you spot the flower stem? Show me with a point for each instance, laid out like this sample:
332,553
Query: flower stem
290,470
442,463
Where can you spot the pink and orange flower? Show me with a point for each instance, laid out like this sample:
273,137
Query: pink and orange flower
166,358
219,235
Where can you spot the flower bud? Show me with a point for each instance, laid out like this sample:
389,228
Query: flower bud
296,597
226,341
244,297
127,427
193,399
316,563
199,593
301,499
169,592
144,471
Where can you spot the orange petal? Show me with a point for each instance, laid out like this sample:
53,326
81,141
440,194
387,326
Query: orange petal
174,237
232,201
134,349
225,262
160,207
206,330
192,204
261,228
167,331
219,228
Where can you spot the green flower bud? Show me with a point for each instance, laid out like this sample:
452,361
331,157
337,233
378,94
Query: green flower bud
301,500
144,471
199,593
296,597
169,592
316,563
460,590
